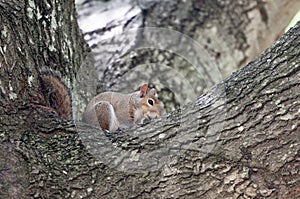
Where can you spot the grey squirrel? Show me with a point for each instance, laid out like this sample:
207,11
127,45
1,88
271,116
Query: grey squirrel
112,111
109,110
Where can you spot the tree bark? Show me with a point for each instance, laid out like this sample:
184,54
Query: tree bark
35,36
239,140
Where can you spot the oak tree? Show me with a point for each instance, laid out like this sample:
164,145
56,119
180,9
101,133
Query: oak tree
239,139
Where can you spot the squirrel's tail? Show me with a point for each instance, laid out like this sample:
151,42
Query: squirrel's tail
56,93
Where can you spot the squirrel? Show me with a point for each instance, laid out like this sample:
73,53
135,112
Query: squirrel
56,94
112,111
109,110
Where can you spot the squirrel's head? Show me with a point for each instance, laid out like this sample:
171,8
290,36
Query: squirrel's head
150,105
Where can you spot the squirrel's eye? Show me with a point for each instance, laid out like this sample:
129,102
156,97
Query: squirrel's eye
150,101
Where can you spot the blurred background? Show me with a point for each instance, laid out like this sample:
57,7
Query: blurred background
182,48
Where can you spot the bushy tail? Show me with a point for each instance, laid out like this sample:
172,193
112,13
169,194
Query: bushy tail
56,93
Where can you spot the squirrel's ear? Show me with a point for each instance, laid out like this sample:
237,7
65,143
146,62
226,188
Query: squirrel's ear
143,90
152,92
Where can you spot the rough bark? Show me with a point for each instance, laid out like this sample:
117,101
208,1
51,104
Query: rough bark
35,36
240,140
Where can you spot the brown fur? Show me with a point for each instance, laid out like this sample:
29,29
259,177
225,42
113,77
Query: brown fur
131,113
102,109
125,110
57,94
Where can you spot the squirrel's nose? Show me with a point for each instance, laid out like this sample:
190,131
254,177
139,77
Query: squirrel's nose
152,115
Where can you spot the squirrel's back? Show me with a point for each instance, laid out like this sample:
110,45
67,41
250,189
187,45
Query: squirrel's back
121,107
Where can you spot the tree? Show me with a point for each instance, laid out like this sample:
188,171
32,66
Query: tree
240,139
201,42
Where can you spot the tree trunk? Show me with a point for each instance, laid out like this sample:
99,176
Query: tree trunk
36,36
239,140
